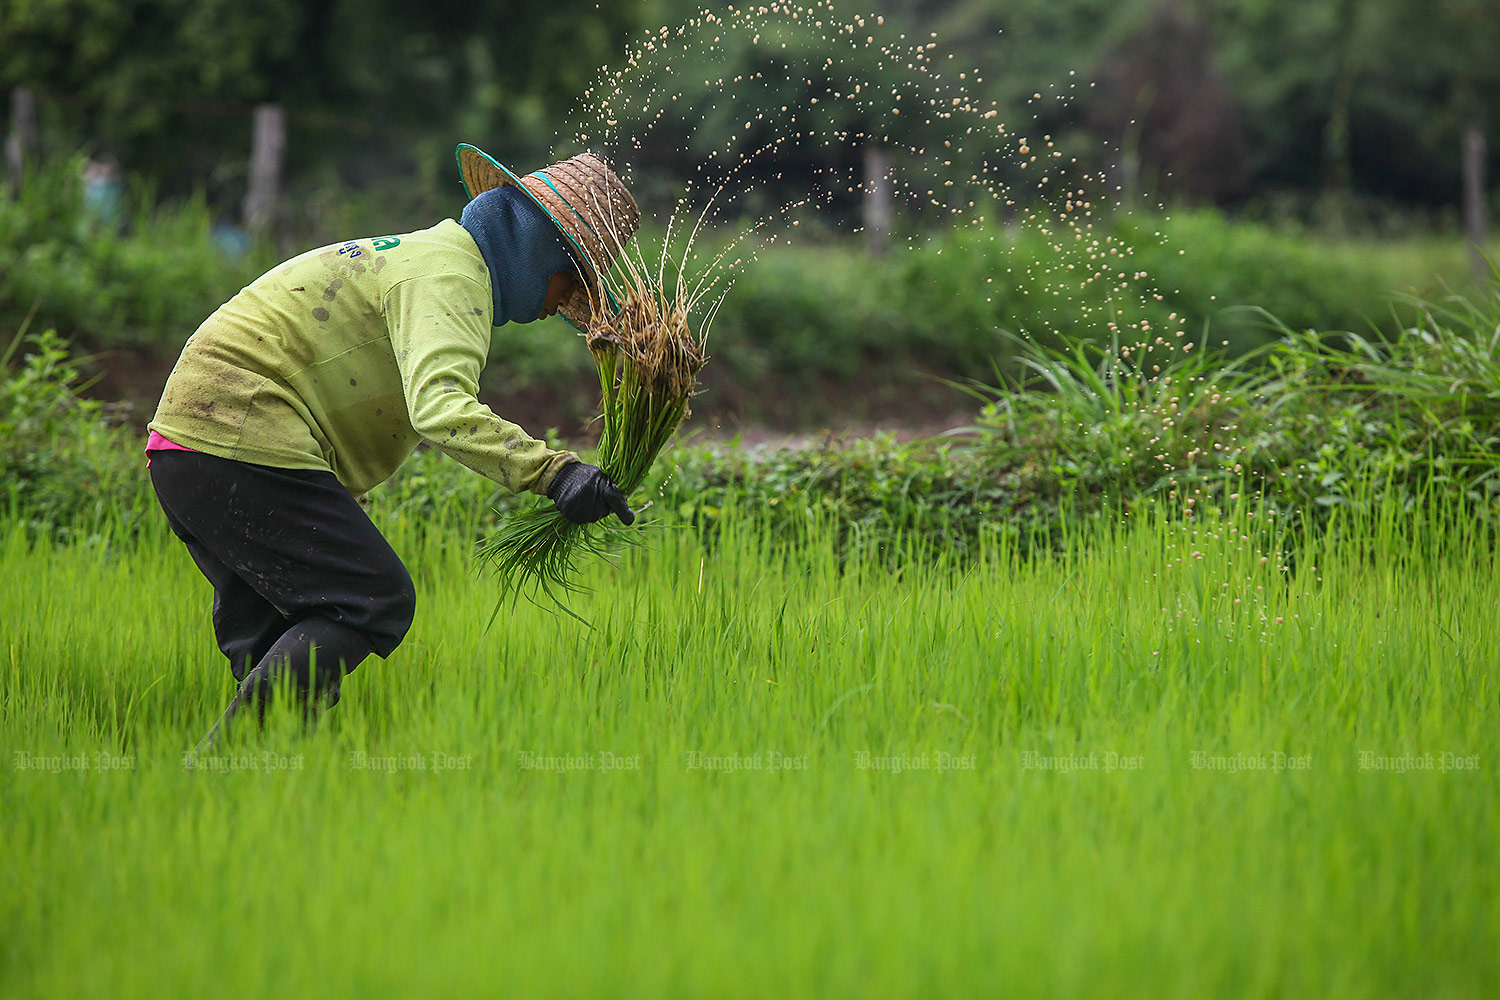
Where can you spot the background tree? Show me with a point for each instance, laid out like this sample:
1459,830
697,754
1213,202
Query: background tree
169,85
1327,107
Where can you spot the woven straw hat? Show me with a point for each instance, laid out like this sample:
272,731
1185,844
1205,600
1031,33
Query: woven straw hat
586,200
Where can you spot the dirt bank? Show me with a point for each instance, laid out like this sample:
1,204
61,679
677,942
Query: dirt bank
907,405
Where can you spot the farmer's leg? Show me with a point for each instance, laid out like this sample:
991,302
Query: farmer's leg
315,654
300,541
245,624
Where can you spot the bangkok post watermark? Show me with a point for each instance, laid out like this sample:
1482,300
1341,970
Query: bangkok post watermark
760,761
937,761
427,761
1094,761
263,761
595,761
1272,761
1430,761
91,761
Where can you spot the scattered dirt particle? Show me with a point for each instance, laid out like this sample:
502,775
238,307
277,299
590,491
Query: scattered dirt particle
354,381
300,288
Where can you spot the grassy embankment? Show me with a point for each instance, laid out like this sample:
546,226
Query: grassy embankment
1052,830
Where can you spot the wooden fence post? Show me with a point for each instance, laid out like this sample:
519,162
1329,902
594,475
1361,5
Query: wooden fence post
878,196
1476,211
267,154
20,144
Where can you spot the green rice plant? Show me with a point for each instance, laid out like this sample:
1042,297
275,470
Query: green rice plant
1133,767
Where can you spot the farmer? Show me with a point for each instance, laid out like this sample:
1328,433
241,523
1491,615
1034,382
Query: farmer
316,381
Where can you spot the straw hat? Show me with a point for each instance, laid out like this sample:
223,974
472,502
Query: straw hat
586,200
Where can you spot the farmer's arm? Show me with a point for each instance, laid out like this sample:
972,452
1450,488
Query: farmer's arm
441,338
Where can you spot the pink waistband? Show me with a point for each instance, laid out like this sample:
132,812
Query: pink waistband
155,442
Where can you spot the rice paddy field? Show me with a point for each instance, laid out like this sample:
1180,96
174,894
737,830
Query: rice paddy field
1171,760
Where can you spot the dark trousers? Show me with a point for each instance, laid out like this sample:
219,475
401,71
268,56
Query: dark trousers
299,572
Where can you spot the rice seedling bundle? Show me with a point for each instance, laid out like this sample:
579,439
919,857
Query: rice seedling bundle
647,357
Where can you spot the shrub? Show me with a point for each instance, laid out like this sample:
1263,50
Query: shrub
803,318
65,466
1225,267
1312,425
149,282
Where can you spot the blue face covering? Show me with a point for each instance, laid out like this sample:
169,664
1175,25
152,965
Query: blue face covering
521,246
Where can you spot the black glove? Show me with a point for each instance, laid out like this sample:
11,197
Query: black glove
584,494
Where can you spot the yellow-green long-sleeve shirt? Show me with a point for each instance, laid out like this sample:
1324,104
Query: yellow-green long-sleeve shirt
345,357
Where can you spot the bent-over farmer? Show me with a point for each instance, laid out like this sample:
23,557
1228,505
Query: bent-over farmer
316,381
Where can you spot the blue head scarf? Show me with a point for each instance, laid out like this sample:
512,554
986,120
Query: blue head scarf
521,246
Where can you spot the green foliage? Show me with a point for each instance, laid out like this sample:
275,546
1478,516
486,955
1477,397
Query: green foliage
66,468
800,319
801,316
1378,92
876,494
169,84
1208,268
1313,425
1255,98
148,283
1419,410
1328,101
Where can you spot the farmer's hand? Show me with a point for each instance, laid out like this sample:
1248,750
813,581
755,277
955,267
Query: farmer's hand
584,494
